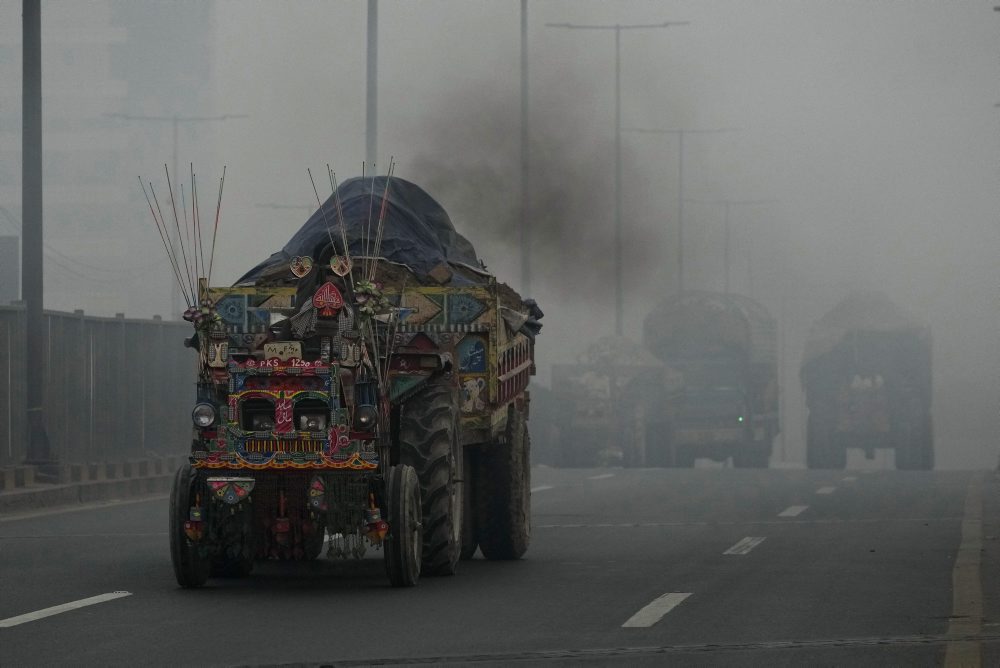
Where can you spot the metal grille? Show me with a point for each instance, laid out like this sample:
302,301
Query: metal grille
283,445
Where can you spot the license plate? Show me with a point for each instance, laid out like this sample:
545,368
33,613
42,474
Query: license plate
283,350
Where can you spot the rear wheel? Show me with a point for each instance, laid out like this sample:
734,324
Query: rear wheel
505,492
403,543
659,446
915,452
470,529
191,567
429,443
822,449
750,456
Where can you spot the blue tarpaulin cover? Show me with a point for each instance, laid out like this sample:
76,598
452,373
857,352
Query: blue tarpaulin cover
417,231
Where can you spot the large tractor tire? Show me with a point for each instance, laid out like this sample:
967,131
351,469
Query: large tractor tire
191,567
470,519
658,445
403,544
428,434
750,456
915,451
822,449
505,492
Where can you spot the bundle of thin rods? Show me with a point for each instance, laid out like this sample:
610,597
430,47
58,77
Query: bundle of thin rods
187,255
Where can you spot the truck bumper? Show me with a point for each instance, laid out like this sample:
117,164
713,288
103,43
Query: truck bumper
717,436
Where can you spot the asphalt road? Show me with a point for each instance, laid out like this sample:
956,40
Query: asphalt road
703,567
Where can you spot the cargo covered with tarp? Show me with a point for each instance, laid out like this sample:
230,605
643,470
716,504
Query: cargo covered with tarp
695,323
416,231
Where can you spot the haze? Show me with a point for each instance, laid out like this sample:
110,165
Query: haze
870,129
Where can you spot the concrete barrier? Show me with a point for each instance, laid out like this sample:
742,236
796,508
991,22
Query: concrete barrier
7,479
75,483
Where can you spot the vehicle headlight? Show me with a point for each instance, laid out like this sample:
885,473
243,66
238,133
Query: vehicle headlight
203,415
365,418
312,422
262,422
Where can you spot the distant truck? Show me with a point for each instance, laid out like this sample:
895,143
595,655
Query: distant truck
866,373
601,404
364,387
719,398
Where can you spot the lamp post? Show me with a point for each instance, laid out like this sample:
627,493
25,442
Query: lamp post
729,204
617,28
32,274
371,86
680,132
525,230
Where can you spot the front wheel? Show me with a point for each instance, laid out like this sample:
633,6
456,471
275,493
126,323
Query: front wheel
191,567
403,543
428,434
823,451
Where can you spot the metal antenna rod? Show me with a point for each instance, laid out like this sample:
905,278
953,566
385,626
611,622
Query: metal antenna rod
175,121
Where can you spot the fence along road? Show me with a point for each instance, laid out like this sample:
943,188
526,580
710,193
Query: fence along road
115,388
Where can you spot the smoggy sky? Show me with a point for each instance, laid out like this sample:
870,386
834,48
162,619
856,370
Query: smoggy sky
869,127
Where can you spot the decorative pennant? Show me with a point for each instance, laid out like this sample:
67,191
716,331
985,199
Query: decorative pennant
328,300
301,265
341,265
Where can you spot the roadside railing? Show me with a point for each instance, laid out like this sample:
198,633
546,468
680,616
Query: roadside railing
115,388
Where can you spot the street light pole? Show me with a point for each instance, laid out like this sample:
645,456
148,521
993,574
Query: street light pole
371,98
680,186
618,146
175,121
729,204
32,237
525,201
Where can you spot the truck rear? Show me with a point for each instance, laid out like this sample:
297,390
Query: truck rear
602,403
363,388
866,373
722,399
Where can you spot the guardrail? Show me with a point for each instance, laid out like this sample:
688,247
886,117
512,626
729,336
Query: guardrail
115,388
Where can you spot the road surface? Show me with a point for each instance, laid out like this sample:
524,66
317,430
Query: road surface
699,567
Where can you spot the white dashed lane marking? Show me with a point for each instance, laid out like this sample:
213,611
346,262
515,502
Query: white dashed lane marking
57,609
540,488
792,511
655,611
602,476
826,490
745,545
849,478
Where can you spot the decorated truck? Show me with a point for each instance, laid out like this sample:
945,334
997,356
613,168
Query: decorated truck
866,373
602,401
364,388
720,398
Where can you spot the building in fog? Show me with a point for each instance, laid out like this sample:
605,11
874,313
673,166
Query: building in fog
103,61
